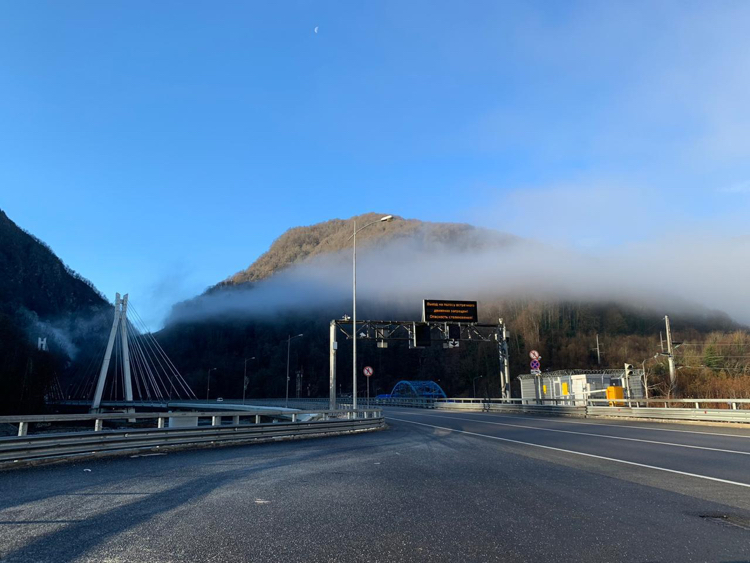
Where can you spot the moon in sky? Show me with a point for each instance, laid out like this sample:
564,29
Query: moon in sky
316,29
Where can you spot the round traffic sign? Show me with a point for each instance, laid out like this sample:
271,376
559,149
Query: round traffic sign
535,364
367,371
534,355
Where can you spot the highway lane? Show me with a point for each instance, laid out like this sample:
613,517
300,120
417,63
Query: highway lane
716,455
414,492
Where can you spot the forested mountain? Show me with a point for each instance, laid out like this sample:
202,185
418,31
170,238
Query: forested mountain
303,282
32,277
39,297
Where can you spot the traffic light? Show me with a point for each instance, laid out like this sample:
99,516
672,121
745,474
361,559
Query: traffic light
454,332
628,371
422,336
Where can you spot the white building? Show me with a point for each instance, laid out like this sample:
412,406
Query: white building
571,387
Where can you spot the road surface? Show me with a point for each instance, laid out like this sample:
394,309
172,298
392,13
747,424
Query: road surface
434,486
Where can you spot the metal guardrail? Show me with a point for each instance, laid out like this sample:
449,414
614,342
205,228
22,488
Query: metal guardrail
26,447
553,410
216,417
738,410
696,414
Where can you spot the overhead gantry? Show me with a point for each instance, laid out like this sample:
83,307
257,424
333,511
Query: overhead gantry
420,334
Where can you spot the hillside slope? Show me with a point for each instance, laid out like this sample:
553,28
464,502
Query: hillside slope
32,277
303,243
40,297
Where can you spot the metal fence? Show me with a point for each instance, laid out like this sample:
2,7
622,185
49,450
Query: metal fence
201,428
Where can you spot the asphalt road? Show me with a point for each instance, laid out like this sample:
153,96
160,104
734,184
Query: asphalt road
435,486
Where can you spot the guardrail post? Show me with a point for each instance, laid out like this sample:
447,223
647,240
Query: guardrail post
98,425
160,422
294,417
257,419
236,420
23,428
697,405
215,421
734,406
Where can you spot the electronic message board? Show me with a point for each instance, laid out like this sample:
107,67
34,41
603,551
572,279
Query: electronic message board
436,310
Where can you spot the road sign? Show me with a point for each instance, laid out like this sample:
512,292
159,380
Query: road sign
535,364
455,311
534,355
367,371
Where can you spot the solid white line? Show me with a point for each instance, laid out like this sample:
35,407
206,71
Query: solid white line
483,421
706,477
563,420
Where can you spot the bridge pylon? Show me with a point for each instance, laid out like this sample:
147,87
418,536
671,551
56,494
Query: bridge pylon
120,321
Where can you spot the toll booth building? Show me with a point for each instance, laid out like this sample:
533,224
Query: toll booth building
571,387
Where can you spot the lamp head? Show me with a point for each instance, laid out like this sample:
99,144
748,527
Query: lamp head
386,219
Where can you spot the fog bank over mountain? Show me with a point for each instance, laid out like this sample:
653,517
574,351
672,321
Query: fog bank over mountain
692,277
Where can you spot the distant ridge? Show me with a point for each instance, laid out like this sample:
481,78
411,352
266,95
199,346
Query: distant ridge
301,243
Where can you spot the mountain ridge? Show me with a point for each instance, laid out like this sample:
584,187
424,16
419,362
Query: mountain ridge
299,244
33,277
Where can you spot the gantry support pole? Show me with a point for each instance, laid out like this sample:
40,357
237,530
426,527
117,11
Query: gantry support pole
107,357
506,363
332,364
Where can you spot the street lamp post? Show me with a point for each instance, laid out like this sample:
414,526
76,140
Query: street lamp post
385,219
208,382
288,349
244,380
474,384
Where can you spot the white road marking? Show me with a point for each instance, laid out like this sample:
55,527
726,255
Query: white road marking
706,477
482,421
563,420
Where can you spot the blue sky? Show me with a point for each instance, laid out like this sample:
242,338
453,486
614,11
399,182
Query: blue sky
159,147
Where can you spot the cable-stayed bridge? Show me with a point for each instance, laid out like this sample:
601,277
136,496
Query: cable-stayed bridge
132,367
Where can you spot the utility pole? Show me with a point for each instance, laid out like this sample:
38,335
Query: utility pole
245,380
670,356
208,382
288,350
598,354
